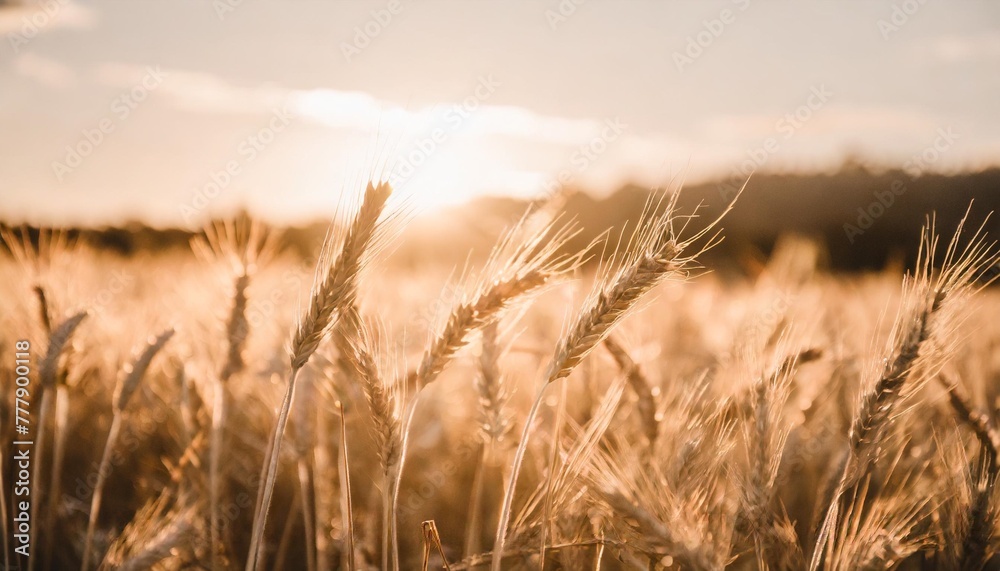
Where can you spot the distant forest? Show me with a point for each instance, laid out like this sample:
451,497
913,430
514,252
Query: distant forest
863,219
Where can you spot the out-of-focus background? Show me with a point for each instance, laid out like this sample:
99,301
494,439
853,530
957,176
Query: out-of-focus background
140,121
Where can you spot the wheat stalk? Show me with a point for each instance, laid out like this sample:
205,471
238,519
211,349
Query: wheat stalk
285,542
58,455
960,267
163,528
236,333
47,374
520,264
775,539
336,286
432,540
494,426
242,244
346,504
126,387
303,445
655,254
335,289
355,345
980,512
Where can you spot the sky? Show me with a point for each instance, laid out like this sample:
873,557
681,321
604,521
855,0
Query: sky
173,111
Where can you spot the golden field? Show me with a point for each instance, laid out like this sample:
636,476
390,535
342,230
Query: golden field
616,408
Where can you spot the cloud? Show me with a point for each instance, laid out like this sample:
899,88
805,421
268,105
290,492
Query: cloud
46,71
832,121
355,110
959,49
358,110
29,20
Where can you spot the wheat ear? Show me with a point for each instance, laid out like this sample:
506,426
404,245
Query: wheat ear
243,244
355,345
640,384
126,387
48,371
776,543
518,266
687,557
981,424
981,514
43,307
494,426
236,334
335,289
655,254
960,267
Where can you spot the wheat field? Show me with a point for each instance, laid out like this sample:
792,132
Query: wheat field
620,407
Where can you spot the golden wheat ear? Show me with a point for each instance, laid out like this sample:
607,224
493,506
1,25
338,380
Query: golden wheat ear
57,343
932,301
658,250
162,529
127,385
135,372
640,384
48,370
345,253
525,260
240,246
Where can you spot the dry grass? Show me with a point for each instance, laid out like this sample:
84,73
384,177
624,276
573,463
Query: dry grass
788,420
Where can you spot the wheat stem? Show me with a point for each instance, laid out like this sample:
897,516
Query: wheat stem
58,454
95,503
508,498
346,506
270,475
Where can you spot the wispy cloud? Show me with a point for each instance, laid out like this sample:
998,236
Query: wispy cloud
843,121
962,49
350,110
30,20
46,71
